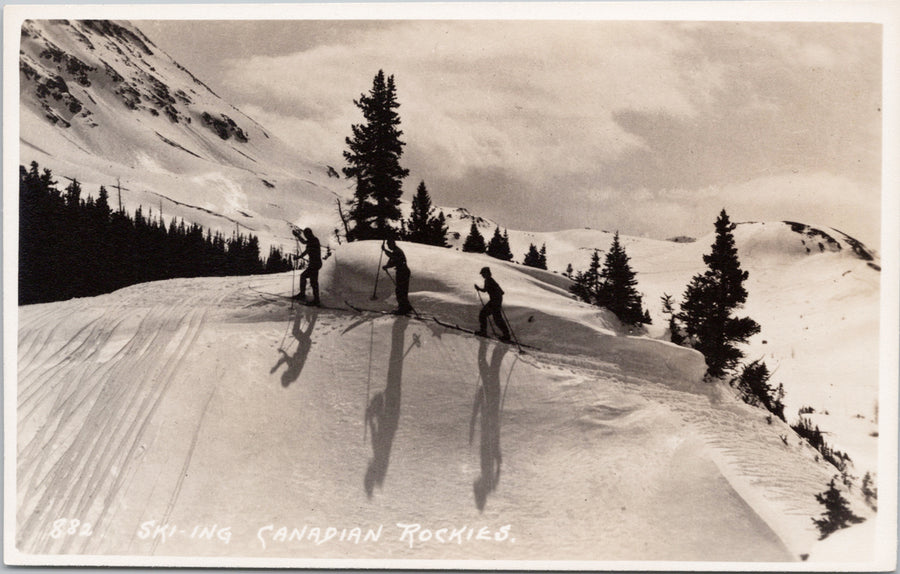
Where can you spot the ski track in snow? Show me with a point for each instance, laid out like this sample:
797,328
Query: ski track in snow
100,411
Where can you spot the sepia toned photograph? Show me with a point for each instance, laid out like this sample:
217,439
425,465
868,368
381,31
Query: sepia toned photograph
530,286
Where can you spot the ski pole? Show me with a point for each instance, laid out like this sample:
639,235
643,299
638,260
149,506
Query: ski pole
378,272
509,326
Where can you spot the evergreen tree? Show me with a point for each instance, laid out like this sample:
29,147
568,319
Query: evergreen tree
438,230
617,289
542,256
869,490
837,515
73,194
533,257
668,309
417,226
374,158
709,301
474,242
756,390
422,226
587,283
498,247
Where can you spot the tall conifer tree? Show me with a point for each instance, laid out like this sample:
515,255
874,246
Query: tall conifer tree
499,246
532,258
374,158
474,242
617,288
709,301
587,283
422,226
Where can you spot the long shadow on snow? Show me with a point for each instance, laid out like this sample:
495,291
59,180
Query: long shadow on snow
297,361
487,402
383,410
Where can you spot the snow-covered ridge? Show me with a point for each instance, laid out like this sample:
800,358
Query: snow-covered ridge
536,302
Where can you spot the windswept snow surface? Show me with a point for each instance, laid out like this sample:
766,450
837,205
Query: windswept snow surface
214,417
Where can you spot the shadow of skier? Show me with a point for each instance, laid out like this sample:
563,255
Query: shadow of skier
383,411
487,402
296,362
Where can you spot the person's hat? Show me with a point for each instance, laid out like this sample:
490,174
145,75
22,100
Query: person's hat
485,270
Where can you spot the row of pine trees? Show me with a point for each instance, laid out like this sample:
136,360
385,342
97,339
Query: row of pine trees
71,246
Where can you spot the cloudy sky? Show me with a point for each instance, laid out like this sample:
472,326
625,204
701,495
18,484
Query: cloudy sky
648,127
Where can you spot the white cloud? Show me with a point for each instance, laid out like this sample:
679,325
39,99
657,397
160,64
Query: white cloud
671,121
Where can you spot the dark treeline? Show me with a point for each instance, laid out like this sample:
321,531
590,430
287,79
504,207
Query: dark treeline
75,247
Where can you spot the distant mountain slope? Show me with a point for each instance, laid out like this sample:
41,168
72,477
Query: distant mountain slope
101,103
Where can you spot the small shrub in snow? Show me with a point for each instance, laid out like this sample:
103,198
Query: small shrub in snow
805,428
870,491
668,310
837,512
756,390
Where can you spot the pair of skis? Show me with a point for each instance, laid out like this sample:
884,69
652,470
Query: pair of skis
440,322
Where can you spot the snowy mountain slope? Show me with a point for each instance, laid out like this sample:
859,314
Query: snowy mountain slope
101,103
216,403
814,290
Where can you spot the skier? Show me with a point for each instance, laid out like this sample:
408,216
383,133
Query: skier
494,306
314,251
397,260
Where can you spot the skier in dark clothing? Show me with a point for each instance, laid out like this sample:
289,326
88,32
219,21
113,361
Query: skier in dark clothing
494,306
314,253
397,260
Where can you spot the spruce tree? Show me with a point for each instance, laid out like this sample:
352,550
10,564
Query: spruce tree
709,301
617,288
837,515
374,158
422,226
756,390
417,228
587,282
498,246
542,256
668,309
437,231
474,242
532,258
